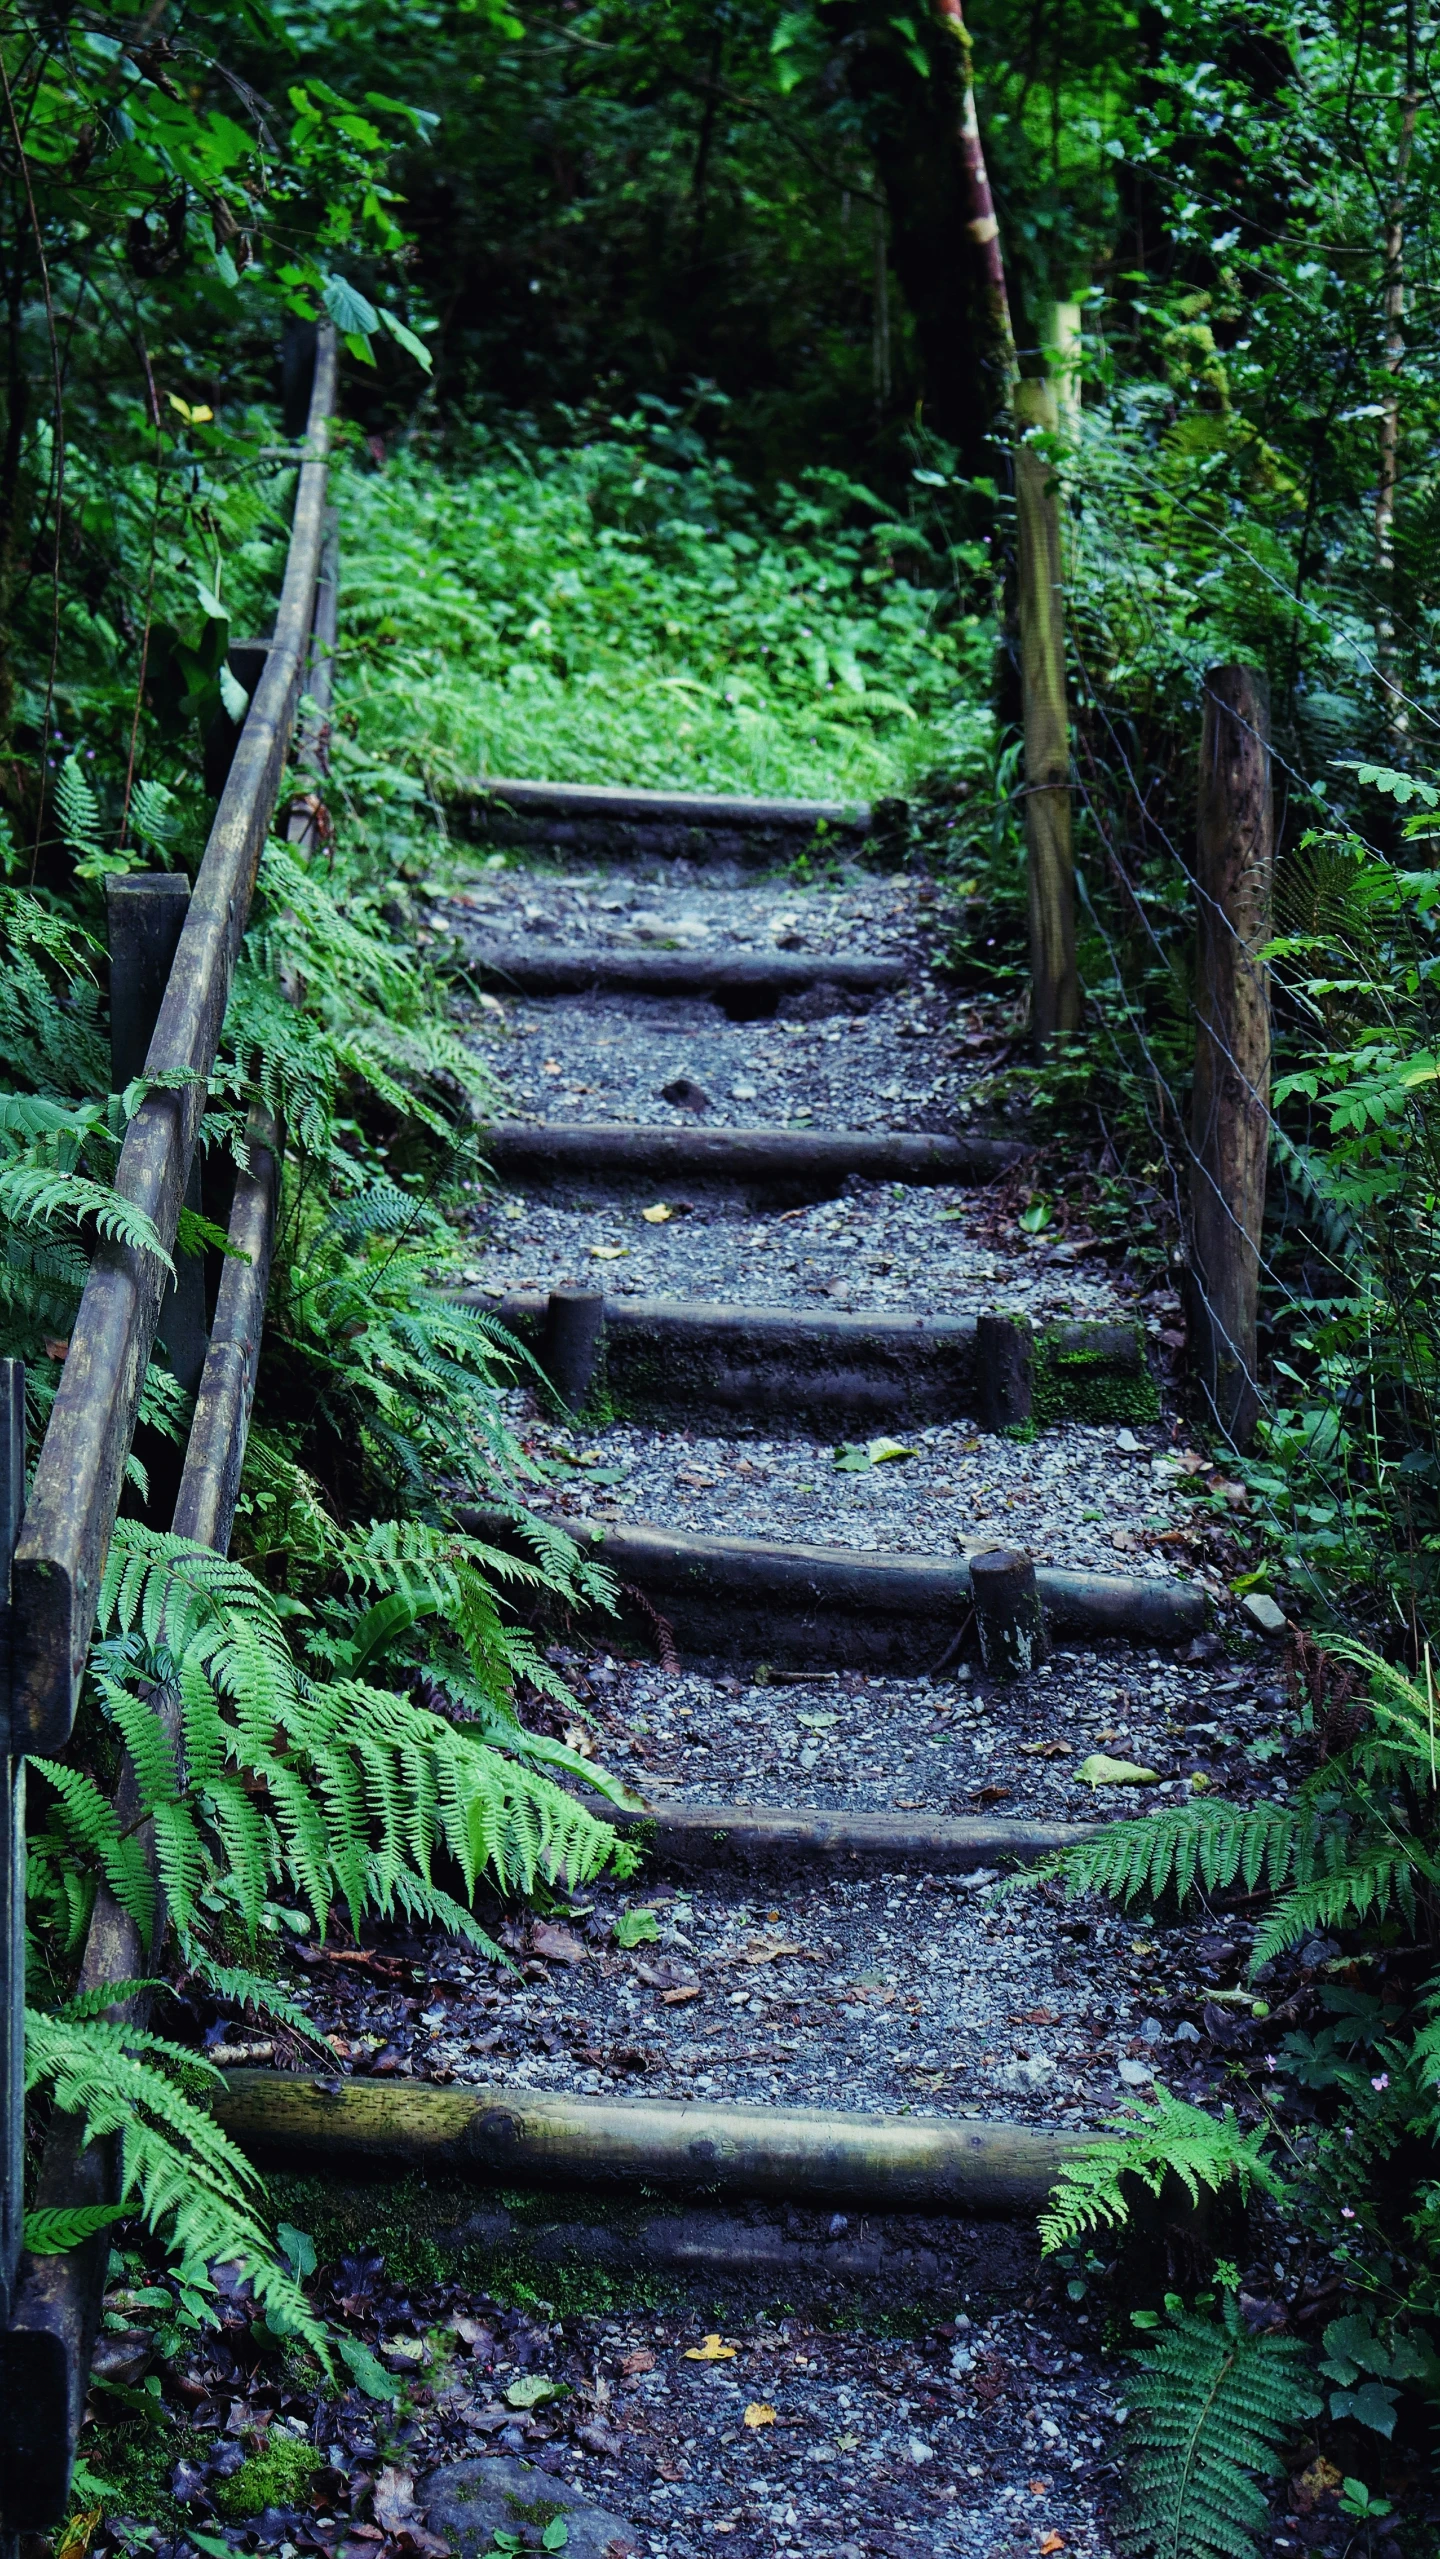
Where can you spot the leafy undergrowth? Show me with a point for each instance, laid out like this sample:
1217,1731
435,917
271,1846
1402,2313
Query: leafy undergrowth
628,610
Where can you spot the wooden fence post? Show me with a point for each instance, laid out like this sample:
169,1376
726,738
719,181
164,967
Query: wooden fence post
1054,981
12,1857
1230,1116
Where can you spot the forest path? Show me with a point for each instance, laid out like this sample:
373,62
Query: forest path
923,2383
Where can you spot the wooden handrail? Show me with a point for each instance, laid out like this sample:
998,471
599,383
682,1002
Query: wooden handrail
78,1476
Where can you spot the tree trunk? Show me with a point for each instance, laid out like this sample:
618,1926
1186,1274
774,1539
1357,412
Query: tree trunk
1388,473
1231,1106
1054,980
982,226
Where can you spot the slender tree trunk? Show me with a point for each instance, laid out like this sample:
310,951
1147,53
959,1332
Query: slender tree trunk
983,228
1050,867
1388,472
1230,1119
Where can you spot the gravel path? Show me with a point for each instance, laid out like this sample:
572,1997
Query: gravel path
989,2433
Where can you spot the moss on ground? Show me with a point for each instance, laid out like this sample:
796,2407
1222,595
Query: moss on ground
277,2475
1076,1385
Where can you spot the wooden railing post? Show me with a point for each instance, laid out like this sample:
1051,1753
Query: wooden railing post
1230,1117
12,1857
1054,980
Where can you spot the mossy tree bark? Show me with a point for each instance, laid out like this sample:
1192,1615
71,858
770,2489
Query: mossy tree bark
1054,979
1230,1114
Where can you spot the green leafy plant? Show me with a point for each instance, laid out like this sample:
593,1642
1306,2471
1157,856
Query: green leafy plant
1151,2144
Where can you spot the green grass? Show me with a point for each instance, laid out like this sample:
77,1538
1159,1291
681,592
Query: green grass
627,610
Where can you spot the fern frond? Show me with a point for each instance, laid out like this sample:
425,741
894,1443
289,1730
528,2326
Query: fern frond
1150,2143
81,824
1209,2409
1169,1849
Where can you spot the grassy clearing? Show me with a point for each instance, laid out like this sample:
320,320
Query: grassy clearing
627,610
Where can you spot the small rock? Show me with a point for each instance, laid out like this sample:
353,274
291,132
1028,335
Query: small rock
685,1094
1152,2031
1030,2072
920,2451
1136,2074
472,2500
1263,1613
1129,1445
1185,2033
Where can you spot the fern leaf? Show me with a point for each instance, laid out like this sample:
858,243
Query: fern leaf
81,824
1209,2409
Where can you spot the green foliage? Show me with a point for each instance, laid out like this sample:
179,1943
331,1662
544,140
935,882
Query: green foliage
53,2230
1210,2406
627,610
1150,2144
185,2178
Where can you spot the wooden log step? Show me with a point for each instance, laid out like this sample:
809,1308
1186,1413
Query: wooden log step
744,988
687,1836
526,2137
601,823
748,1600
664,1359
789,1162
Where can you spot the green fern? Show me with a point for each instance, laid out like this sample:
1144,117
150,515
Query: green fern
1209,2409
55,2229
183,2176
317,1789
1151,2143
81,824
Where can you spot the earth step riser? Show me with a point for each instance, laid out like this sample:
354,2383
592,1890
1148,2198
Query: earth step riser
745,990
667,1361
756,2249
744,1600
594,823
773,1163
627,2145
690,1837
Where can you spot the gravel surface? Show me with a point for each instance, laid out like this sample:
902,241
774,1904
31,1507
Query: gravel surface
876,1246
891,1991
1076,1496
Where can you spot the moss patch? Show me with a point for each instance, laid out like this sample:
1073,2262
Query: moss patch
277,2476
1073,1384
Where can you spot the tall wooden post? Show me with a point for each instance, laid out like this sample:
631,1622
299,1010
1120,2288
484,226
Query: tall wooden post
1230,1117
1054,981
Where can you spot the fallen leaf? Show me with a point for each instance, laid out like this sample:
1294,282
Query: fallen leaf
1306,2491
532,2390
815,1722
666,1976
636,1928
599,2438
763,1950
556,1945
1052,2542
711,2352
1097,1770
759,2413
992,1794
641,2361
608,1252
1045,1750
394,2499
1041,2017
678,1998
847,2443
659,1215
881,1451
413,2541
404,2350
695,1475
580,1739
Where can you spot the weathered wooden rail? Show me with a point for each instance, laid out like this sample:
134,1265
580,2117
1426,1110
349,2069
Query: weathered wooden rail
173,959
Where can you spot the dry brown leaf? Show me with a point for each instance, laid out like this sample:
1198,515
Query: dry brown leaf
678,1998
641,2361
556,1945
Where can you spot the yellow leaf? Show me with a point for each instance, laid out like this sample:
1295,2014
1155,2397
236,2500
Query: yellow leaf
759,2413
881,1452
712,2352
202,417
181,407
1097,1770
659,1215
608,1252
